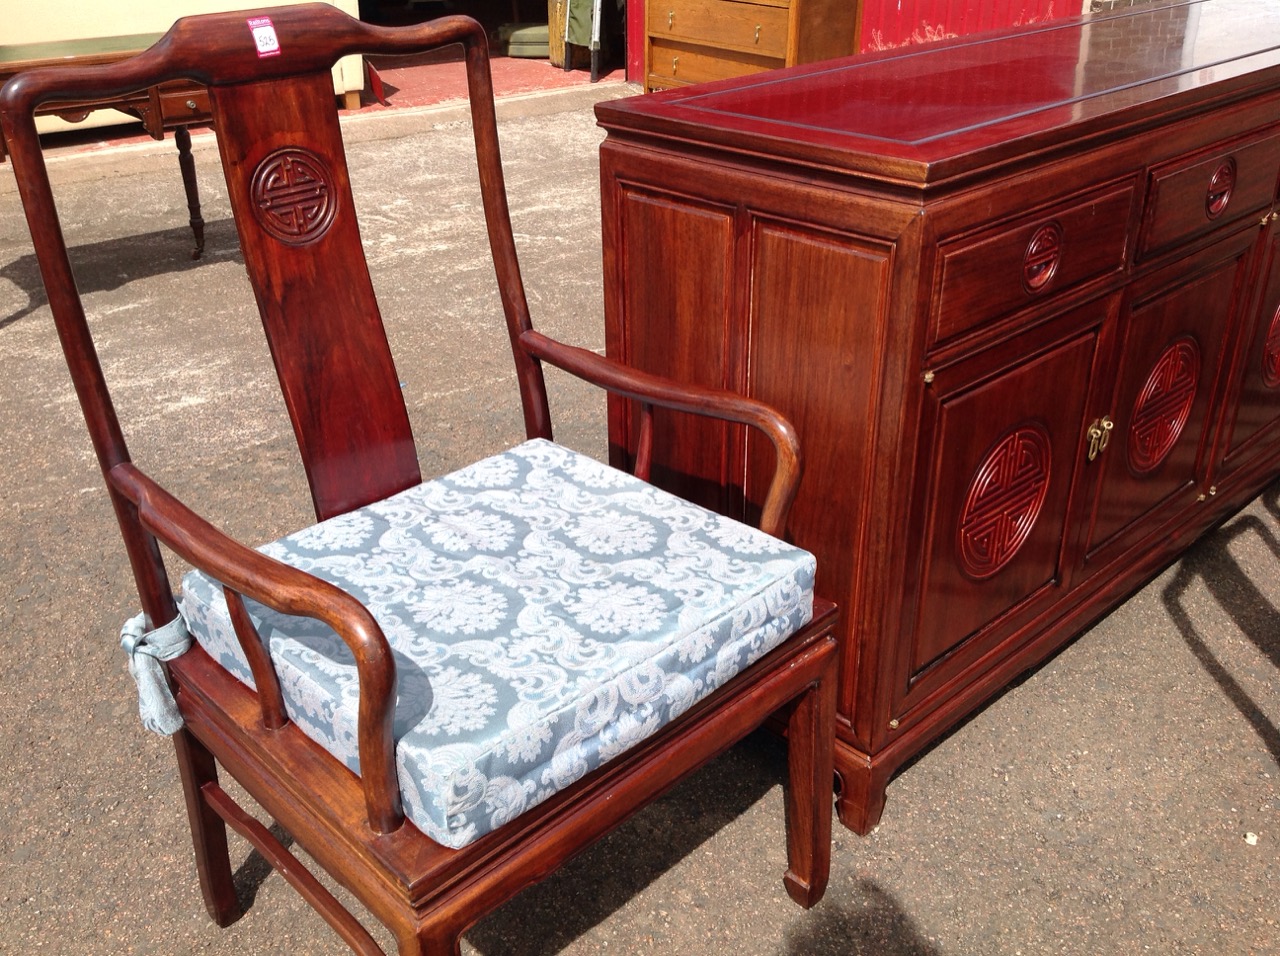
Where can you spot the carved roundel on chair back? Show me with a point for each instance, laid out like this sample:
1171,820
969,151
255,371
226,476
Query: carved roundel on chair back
1005,497
1271,354
293,195
1164,404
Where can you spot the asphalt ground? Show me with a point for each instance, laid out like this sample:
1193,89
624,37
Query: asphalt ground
1121,799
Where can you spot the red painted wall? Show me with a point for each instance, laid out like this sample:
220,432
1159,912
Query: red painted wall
635,40
893,23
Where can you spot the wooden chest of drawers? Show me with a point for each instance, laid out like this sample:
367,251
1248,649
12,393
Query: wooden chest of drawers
1020,296
691,41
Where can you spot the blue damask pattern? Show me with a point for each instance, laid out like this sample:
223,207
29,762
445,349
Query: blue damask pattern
547,613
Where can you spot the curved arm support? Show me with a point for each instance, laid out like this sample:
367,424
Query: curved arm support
290,591
651,389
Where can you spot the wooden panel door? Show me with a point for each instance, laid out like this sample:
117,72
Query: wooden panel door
1255,428
1000,449
1168,373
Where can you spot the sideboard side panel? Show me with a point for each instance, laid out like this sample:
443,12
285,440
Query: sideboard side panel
677,268
819,304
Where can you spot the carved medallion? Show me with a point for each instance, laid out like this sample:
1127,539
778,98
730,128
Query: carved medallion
293,195
1040,262
1221,185
1163,405
1271,354
1004,500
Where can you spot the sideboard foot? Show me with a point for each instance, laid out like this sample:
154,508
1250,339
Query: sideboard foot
861,798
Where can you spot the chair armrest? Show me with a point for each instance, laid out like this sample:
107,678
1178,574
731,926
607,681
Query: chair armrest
654,390
290,591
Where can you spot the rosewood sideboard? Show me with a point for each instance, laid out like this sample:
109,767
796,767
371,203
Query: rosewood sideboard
1020,295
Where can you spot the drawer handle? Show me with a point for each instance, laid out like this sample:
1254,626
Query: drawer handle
1221,184
671,19
1044,252
191,105
757,33
675,65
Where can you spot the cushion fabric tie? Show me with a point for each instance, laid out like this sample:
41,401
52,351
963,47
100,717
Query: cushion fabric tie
146,649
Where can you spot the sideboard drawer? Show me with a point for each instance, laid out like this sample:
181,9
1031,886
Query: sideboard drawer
755,28
1193,196
1000,270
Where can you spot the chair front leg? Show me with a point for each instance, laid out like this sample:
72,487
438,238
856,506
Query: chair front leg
809,797
196,767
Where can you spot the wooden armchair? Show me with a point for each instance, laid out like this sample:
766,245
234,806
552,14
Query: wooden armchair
443,689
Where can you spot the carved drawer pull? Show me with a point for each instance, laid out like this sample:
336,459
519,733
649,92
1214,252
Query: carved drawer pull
1044,252
1221,184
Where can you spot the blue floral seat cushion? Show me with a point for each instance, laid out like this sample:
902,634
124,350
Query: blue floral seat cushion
547,612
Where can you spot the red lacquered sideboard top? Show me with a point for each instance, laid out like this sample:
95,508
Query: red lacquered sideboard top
926,114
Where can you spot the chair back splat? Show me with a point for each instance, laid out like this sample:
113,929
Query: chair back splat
443,689
281,150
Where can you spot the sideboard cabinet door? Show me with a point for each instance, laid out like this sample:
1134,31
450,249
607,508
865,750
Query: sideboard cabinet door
1001,444
1168,382
1253,433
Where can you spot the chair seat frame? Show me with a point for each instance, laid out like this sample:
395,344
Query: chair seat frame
429,895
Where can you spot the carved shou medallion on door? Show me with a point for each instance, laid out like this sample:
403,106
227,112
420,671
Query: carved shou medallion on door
1161,411
1004,500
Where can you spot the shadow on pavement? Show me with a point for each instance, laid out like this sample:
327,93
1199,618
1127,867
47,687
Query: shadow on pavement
1238,596
609,875
107,265
872,922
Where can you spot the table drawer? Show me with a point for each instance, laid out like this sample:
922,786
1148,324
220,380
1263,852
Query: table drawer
1000,270
1197,194
189,103
760,29
673,64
